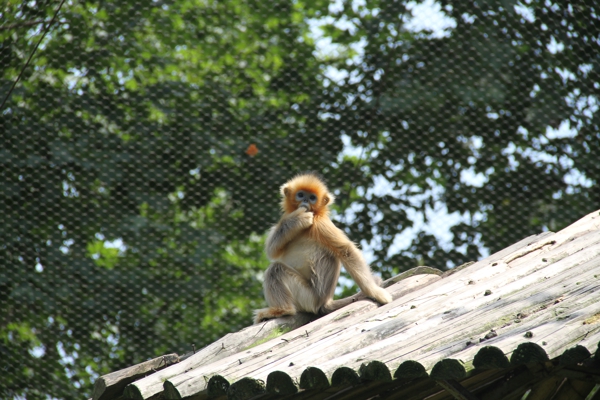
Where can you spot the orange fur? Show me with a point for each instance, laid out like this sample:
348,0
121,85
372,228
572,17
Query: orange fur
311,183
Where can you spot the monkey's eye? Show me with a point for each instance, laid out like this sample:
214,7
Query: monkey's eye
313,198
300,194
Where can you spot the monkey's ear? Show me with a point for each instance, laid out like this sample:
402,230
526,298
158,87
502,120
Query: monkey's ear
328,199
285,191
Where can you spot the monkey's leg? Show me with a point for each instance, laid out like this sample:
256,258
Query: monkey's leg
360,271
326,273
277,294
286,291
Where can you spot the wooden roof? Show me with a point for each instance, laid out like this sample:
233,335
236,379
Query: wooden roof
525,320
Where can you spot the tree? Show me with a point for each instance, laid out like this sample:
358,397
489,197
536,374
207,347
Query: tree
132,217
461,120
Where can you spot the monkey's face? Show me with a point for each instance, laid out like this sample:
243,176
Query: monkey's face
306,199
306,191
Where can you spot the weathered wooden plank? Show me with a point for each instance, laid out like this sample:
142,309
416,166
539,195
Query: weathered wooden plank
415,390
515,332
340,317
112,385
229,344
420,344
521,277
587,373
514,385
574,390
411,337
371,389
233,343
422,270
237,342
547,317
456,390
427,388
326,345
192,382
324,342
518,246
545,389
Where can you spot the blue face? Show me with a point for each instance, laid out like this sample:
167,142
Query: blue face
306,199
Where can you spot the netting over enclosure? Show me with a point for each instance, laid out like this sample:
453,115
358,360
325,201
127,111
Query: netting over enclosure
143,146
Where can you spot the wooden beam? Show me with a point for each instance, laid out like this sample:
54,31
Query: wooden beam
112,385
456,390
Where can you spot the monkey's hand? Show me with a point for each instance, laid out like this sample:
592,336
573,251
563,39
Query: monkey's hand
286,230
303,217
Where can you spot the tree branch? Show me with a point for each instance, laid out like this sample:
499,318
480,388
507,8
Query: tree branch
22,24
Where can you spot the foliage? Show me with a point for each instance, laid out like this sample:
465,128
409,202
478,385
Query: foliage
461,122
133,219
130,210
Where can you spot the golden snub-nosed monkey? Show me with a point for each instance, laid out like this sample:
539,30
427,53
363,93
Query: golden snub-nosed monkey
307,251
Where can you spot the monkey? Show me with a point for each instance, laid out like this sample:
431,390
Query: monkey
306,251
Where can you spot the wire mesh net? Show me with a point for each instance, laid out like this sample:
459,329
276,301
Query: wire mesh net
143,144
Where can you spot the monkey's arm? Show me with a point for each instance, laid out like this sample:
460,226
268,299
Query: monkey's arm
353,260
286,230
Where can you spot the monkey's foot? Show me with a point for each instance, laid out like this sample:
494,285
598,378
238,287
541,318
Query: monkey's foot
381,296
266,314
